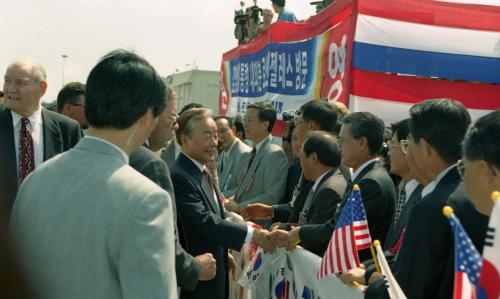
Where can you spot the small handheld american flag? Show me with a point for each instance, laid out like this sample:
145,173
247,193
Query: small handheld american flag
468,261
350,235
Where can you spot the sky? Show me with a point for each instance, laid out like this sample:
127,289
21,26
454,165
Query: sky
170,34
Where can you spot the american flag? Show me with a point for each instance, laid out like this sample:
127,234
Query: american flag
468,262
350,235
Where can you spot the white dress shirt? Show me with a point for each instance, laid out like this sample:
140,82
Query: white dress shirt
35,128
410,187
360,168
316,182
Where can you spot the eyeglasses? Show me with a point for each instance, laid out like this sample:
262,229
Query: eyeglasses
77,105
461,168
404,146
174,117
247,119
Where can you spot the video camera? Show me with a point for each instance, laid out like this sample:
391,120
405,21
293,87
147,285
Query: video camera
246,21
290,115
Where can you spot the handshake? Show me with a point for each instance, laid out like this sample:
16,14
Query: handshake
268,240
277,238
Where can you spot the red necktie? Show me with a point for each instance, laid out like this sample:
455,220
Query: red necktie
217,195
26,151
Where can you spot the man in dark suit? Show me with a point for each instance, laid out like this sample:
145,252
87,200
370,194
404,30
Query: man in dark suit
201,213
409,193
409,189
320,160
27,129
424,267
188,269
360,140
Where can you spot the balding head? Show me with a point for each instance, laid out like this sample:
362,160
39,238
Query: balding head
24,85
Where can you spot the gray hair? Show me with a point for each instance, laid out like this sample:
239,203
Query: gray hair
36,69
188,119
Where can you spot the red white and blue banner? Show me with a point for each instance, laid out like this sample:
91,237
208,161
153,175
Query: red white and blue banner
292,63
373,55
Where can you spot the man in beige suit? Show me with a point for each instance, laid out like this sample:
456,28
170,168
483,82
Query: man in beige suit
86,224
234,151
265,167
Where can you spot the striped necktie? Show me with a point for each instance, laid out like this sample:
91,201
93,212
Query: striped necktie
399,204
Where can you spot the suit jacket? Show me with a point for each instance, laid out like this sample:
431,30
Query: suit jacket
151,166
424,266
290,212
326,198
87,225
60,133
378,195
395,231
264,181
232,172
168,153
292,179
204,226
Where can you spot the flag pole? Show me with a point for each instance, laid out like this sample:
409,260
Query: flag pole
374,255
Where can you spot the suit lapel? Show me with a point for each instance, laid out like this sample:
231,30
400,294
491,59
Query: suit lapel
7,146
52,141
255,164
228,165
208,195
171,152
414,197
200,183
350,185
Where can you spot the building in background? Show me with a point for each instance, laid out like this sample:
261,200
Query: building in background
196,86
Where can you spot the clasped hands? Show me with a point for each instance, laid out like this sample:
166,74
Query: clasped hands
277,238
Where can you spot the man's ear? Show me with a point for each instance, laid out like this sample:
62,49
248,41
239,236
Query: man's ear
43,88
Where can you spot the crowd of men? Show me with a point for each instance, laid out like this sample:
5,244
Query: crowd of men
145,203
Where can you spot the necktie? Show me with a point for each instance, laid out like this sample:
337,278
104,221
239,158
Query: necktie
399,204
26,151
305,208
214,191
250,161
252,156
222,158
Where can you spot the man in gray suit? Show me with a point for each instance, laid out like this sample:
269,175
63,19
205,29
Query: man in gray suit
87,225
263,179
231,157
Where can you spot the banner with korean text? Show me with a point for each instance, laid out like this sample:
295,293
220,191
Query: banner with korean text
291,64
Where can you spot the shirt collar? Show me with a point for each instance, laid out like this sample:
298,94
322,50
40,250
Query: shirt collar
35,118
360,169
410,187
200,166
259,145
318,180
432,185
125,156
